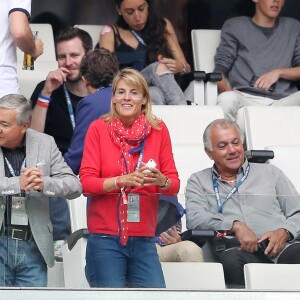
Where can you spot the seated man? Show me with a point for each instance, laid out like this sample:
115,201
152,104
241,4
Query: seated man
255,202
55,100
259,58
171,248
32,171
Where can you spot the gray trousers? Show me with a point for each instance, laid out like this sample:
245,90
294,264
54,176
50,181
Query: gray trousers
232,101
163,87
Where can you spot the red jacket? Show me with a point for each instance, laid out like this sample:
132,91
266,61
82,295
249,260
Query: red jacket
100,161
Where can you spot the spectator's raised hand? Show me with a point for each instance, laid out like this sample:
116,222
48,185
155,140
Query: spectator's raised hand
54,80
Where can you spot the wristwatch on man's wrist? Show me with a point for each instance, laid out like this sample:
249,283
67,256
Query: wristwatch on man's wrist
290,236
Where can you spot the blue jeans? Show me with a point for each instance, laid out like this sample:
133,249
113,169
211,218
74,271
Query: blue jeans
109,264
22,265
60,218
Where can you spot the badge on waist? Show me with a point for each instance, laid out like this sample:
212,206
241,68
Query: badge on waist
133,208
18,212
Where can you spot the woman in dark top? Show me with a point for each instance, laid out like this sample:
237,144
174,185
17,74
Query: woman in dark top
148,43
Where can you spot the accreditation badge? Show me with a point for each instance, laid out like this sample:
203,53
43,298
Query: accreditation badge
133,208
18,212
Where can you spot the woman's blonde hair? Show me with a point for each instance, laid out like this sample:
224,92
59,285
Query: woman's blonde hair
135,80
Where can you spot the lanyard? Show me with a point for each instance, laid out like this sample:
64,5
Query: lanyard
70,108
141,155
11,169
231,193
103,87
139,38
124,197
139,159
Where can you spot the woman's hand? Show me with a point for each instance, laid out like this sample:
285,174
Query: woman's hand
152,176
173,65
145,176
136,178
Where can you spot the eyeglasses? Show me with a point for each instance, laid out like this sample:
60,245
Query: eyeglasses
122,94
130,11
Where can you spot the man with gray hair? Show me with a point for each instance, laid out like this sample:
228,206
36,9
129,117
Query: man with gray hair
32,169
254,207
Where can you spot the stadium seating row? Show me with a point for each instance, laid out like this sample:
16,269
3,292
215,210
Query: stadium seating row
209,276
28,79
204,43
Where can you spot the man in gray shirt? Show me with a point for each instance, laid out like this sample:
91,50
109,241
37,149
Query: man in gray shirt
251,202
259,58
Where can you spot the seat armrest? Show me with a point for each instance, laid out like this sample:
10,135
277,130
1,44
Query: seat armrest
198,236
193,75
199,75
213,77
75,236
259,156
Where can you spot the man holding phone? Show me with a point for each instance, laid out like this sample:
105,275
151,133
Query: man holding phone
254,207
259,59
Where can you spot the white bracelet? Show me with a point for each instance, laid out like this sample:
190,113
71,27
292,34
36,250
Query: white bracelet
116,182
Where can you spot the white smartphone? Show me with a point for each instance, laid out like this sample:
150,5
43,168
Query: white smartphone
150,164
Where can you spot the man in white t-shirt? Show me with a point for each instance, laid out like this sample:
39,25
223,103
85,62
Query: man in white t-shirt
15,32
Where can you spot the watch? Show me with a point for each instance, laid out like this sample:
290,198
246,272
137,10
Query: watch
290,236
166,183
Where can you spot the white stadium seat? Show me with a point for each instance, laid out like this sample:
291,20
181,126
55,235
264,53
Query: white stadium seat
204,44
193,275
28,79
268,126
287,159
75,259
93,30
74,265
272,276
